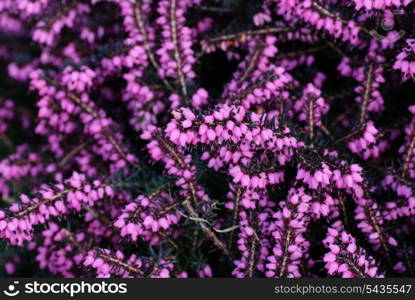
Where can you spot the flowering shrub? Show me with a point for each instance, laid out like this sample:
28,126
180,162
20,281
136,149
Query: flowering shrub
193,138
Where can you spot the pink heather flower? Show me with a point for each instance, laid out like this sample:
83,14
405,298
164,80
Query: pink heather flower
380,4
346,259
78,81
32,7
366,145
154,139
18,225
405,61
10,268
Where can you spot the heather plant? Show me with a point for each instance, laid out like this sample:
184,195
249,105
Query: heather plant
197,138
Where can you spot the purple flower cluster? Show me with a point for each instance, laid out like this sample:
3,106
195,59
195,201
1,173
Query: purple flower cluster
53,201
148,217
192,138
346,258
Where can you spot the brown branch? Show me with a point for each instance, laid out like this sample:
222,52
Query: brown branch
408,156
331,15
242,36
348,136
235,213
173,28
267,77
140,24
295,54
104,220
251,264
182,165
71,154
31,208
366,95
285,253
209,233
354,267
108,134
311,119
252,64
326,131
4,138
192,212
121,264
72,239
374,222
